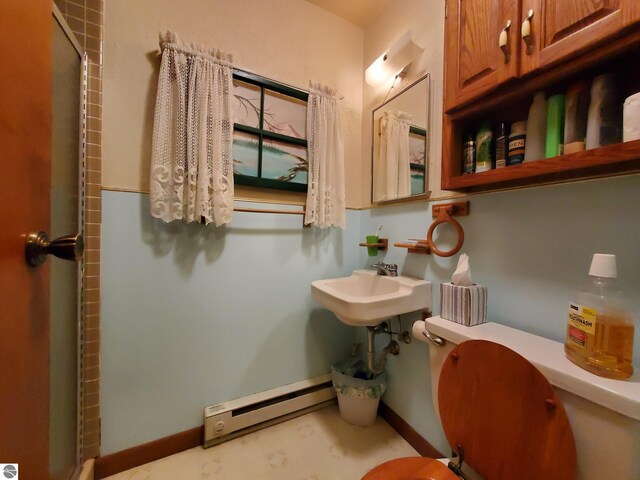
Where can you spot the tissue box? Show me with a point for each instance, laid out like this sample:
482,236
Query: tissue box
463,305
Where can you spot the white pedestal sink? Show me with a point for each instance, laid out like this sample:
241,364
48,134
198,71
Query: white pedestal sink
366,298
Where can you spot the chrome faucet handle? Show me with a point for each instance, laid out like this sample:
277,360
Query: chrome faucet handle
380,267
386,269
392,269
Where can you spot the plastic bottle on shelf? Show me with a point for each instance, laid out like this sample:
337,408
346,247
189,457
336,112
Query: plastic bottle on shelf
575,117
517,143
631,118
599,330
555,126
604,126
484,139
469,156
536,129
502,147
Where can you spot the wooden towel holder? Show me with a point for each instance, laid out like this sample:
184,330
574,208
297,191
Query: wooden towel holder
443,213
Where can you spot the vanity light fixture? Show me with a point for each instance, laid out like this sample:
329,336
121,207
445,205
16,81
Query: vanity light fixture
401,53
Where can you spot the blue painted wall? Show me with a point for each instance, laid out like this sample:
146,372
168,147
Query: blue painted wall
532,248
194,315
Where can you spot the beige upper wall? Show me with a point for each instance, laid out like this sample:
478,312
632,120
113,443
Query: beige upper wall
359,12
291,41
426,20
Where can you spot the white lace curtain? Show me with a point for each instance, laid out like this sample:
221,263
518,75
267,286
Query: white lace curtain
393,167
325,205
192,163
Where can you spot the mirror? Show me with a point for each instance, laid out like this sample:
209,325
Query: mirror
400,144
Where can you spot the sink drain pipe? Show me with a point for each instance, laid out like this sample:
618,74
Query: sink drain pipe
377,366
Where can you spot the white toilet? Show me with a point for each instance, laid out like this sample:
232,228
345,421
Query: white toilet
522,412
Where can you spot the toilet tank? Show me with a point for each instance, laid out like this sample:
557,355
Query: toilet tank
604,413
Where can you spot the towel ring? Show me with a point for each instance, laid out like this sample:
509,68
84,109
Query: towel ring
445,217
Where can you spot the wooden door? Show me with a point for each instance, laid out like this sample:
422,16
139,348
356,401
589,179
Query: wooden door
25,148
563,28
474,61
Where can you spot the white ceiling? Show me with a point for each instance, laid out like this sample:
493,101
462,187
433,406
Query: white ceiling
359,12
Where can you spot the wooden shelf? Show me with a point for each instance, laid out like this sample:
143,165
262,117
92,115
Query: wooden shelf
419,247
600,162
381,245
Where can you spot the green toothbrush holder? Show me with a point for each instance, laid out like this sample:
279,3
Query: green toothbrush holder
372,251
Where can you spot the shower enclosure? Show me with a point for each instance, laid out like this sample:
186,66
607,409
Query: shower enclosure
67,180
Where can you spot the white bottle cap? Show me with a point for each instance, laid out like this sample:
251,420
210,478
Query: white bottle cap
603,265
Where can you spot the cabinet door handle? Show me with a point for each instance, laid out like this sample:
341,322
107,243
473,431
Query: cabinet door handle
525,31
503,41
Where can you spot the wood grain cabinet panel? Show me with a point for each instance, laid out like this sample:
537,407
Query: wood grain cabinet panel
562,28
568,40
475,62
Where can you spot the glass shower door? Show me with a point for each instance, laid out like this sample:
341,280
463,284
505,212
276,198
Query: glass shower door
65,219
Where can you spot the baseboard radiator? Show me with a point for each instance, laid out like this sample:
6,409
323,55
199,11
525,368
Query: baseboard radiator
229,420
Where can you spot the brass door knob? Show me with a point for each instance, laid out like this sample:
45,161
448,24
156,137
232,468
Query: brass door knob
38,246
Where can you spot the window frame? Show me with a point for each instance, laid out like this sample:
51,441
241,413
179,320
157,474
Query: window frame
267,84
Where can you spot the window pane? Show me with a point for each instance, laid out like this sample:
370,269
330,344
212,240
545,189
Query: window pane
245,105
245,154
417,182
285,162
285,115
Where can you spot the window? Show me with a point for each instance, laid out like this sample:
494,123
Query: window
269,138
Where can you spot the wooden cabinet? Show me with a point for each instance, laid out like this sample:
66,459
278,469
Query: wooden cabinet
559,28
571,40
475,62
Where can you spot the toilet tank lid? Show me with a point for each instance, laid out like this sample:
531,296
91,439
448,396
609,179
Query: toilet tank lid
622,396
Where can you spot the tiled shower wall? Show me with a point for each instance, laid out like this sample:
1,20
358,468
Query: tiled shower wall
86,20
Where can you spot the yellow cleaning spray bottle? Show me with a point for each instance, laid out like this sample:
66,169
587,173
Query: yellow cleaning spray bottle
599,330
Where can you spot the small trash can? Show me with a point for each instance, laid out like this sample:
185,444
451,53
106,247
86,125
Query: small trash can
358,394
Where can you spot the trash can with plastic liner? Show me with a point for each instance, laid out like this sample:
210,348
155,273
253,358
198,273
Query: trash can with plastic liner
358,391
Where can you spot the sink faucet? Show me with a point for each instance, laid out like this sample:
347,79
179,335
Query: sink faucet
386,269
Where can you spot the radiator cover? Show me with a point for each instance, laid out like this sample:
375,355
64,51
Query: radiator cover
232,419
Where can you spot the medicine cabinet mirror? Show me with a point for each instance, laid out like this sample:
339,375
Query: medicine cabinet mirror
401,144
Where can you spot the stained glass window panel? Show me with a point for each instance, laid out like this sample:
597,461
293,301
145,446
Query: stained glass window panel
285,115
246,148
245,104
284,162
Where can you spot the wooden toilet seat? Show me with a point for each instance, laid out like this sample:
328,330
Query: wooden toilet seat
411,468
502,414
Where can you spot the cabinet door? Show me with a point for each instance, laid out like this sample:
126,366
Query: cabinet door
562,28
474,60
